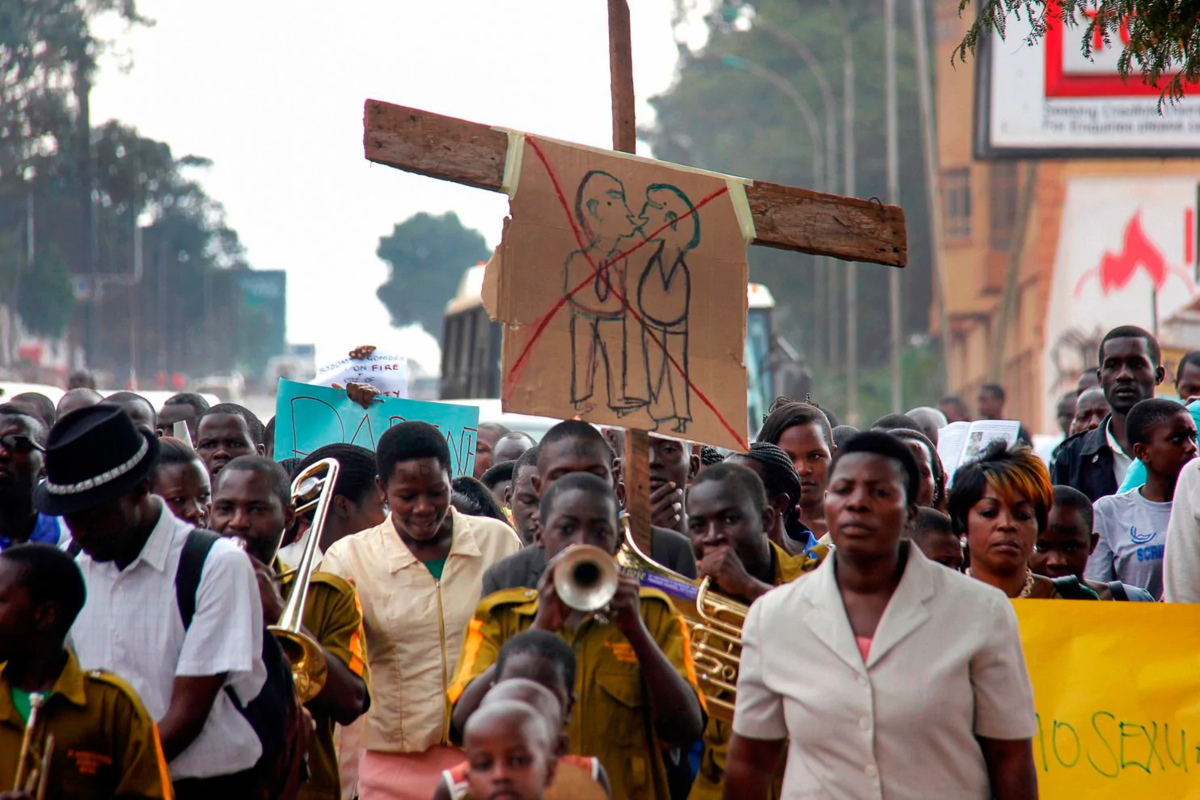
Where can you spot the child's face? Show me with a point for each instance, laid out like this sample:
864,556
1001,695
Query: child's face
1063,548
944,548
509,760
1171,446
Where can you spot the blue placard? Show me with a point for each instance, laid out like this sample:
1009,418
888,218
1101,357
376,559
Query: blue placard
308,417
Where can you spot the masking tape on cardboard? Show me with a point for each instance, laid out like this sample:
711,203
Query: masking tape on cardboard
512,161
741,207
737,186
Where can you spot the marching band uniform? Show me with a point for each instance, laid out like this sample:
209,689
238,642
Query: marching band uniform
612,718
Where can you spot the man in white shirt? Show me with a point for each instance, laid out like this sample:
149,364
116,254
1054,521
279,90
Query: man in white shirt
98,477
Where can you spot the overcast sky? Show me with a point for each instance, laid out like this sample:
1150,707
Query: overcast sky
273,92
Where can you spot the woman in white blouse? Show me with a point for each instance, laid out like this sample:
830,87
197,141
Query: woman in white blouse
882,668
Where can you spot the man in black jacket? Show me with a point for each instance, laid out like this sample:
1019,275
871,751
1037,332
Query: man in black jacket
1095,462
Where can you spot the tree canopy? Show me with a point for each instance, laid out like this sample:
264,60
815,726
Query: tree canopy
728,111
83,191
427,256
1161,37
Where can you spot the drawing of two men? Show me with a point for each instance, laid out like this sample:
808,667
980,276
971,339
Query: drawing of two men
644,313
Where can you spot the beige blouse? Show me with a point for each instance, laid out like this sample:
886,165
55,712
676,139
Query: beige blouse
945,665
414,624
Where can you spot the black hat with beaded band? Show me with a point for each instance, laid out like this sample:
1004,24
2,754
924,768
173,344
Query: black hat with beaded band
93,456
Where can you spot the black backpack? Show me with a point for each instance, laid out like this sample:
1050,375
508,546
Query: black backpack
274,712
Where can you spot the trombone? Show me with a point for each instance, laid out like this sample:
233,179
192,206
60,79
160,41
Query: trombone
585,577
33,767
312,488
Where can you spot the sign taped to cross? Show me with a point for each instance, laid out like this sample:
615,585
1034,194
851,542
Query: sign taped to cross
782,217
621,285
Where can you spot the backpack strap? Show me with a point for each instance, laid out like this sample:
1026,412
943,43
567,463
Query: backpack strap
189,571
1117,589
1070,588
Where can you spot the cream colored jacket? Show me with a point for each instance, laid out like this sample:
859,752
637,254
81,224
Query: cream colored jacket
414,624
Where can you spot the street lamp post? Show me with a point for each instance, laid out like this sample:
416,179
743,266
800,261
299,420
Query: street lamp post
828,103
933,196
784,85
818,159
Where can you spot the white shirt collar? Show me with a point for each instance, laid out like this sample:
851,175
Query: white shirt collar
158,546
1112,441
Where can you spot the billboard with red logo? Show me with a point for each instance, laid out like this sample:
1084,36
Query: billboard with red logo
1049,100
1126,256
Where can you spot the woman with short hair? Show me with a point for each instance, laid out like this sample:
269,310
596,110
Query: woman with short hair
1001,503
922,682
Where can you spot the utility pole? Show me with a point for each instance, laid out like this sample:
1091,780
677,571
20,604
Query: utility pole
825,266
849,181
893,185
933,196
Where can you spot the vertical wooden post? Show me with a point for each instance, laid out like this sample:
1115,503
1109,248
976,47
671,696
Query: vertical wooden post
635,463
620,67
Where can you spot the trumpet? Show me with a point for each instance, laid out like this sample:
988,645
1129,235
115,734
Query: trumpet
312,488
33,767
585,577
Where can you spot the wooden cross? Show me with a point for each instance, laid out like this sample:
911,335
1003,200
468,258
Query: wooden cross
785,217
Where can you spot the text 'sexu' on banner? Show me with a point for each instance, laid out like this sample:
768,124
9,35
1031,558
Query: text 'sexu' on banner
1117,691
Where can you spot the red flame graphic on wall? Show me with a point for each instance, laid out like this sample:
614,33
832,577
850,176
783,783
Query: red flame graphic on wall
1116,270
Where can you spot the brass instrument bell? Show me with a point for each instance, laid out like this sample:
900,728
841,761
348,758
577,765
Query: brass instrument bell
714,624
312,488
585,577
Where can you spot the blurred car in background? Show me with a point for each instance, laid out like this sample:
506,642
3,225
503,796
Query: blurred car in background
10,389
490,411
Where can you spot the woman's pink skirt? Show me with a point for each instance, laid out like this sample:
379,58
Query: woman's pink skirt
404,776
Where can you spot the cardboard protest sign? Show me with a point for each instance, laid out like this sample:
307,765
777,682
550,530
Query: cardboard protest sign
1117,697
387,372
621,283
308,417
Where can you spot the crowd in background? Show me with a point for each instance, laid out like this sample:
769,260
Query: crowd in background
141,577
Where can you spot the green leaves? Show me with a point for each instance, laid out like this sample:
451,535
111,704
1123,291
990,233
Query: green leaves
1163,44
720,116
45,301
427,255
91,188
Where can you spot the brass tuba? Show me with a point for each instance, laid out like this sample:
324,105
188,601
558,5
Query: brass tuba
714,622
312,488
33,764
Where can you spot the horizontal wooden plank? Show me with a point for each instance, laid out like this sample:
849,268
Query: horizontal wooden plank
785,217
431,144
827,224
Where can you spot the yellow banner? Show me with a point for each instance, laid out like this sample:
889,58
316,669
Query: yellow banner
1117,691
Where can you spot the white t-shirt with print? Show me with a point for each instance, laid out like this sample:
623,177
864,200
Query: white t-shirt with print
1133,535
